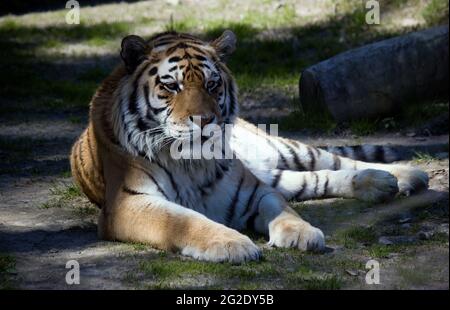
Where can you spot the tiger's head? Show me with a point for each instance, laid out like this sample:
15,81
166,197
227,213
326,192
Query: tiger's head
175,83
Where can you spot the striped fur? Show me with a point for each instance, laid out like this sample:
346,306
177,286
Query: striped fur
123,164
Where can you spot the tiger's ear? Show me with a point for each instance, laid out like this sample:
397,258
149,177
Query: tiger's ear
225,45
134,50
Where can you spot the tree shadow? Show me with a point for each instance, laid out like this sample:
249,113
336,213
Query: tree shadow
43,241
349,213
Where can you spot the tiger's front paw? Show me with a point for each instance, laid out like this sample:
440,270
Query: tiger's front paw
374,185
410,180
225,245
296,233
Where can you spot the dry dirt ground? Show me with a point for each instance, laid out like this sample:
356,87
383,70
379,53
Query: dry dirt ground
45,221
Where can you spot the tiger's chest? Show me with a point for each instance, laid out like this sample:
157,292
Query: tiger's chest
211,192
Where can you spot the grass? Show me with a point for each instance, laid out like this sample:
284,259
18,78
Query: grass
70,196
352,237
421,158
314,281
164,269
436,12
383,251
280,268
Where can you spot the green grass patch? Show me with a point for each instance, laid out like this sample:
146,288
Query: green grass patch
383,251
60,195
166,269
63,33
436,12
422,157
350,238
307,279
70,195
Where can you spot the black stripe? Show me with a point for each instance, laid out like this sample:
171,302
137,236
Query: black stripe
277,178
211,183
283,159
132,103
231,91
359,153
300,192
164,42
199,57
172,49
155,111
325,191
202,65
130,191
80,154
174,59
316,186
336,162
173,69
158,81
94,164
343,151
379,154
84,185
250,199
195,48
153,71
298,164
313,159
172,180
142,126
231,208
251,219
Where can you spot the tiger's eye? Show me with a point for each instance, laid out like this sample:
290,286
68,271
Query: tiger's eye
211,84
171,86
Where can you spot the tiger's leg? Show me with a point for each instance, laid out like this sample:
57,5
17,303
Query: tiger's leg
153,220
138,209
296,156
367,185
409,179
271,215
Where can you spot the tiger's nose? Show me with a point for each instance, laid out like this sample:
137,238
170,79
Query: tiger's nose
204,119
207,119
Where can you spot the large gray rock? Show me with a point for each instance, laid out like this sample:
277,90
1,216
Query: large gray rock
376,79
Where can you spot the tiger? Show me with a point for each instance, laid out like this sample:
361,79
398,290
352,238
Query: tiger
201,207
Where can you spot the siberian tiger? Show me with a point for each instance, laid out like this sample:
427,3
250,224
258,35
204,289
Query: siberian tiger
123,160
